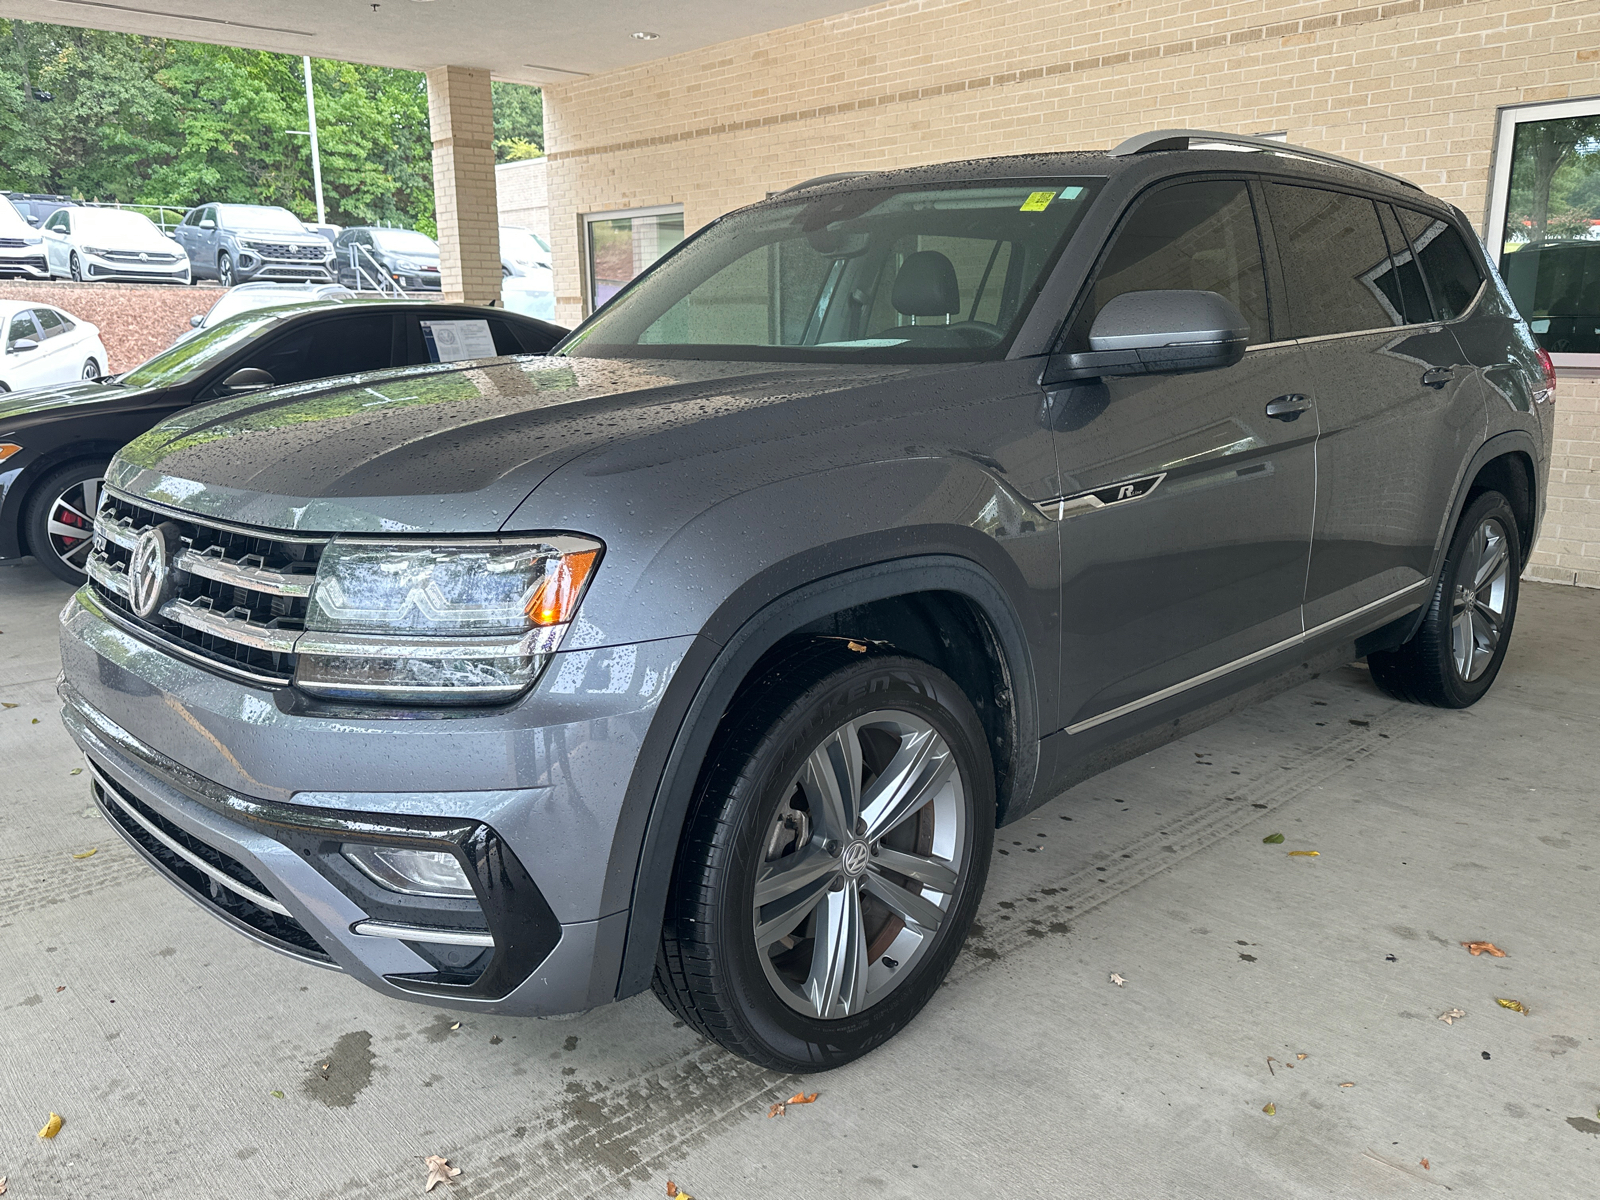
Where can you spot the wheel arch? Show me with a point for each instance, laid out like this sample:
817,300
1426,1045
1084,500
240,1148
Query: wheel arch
14,504
912,594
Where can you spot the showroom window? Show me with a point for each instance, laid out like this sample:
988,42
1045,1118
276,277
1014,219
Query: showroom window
1544,223
617,246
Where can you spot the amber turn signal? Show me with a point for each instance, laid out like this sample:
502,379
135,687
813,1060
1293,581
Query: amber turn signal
7,449
556,598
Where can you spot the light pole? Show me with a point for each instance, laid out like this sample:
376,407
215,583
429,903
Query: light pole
316,153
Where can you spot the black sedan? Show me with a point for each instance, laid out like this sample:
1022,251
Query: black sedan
55,442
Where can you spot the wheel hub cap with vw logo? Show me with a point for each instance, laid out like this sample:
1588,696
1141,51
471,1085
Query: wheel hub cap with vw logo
854,859
150,569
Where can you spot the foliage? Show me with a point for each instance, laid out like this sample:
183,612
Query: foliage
1555,180
154,121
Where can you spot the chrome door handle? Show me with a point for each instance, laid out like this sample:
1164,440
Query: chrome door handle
1288,408
1437,377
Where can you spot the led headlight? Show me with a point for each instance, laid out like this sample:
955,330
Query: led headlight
466,622
97,251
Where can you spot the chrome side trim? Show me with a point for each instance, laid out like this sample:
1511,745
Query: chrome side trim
109,791
422,933
1240,663
198,614
236,573
1124,491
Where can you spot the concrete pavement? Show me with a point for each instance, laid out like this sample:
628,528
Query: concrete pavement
161,1036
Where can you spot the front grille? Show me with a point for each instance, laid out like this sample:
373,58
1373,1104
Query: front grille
126,811
12,243
134,256
286,250
36,261
237,597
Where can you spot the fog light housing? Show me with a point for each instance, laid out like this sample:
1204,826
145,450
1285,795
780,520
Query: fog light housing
410,871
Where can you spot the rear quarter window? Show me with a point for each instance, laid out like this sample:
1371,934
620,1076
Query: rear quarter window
1447,262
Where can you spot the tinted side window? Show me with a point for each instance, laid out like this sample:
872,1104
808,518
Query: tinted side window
1451,271
22,329
323,348
1199,236
49,323
1407,276
1335,260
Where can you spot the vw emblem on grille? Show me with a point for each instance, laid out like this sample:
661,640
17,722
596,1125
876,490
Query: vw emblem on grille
150,569
143,257
854,858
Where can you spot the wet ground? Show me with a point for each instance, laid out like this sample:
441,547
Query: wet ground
187,1062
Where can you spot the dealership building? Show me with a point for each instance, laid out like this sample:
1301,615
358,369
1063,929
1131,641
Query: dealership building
658,120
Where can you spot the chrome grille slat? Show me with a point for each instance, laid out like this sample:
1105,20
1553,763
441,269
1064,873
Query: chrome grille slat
239,574
198,614
108,577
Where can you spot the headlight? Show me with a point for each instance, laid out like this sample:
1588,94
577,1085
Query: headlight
467,622
35,240
94,250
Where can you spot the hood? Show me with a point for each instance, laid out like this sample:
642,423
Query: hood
18,408
447,449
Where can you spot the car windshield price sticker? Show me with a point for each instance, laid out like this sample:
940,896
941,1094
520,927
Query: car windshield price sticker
453,341
1038,202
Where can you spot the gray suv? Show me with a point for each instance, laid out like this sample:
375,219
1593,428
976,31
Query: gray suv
235,243
708,652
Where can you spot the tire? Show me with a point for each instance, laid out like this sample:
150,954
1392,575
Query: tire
850,965
225,269
76,268
64,499
1454,656
91,369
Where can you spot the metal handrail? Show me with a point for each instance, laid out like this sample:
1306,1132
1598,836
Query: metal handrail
377,276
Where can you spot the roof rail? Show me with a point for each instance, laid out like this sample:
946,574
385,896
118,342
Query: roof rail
1210,139
822,179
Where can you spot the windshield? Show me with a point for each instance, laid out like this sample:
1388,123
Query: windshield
113,223
259,216
191,357
405,241
942,274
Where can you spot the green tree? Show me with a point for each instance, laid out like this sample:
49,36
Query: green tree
518,121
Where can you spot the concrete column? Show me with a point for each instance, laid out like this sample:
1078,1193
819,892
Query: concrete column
461,114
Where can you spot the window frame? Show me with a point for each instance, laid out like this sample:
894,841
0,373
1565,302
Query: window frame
615,214
1507,118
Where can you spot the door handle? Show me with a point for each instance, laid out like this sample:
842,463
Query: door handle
1437,377
1288,408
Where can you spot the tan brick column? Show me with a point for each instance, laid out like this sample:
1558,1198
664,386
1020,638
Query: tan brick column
461,114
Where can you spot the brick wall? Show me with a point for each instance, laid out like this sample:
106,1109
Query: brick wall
522,195
1410,86
461,120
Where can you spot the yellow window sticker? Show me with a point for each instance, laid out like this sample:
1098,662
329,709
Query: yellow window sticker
1038,202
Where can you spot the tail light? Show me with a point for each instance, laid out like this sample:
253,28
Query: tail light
1548,366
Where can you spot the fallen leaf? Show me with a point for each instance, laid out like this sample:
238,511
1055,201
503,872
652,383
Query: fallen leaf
6,704
1271,1109
1273,839
1514,1005
1301,1057
3,1178
439,1171
1347,1084
35,721
1477,948
1117,979
1305,854
674,1190
276,1095
1425,1165
75,771
457,1025
89,853
778,1109
52,1126
62,988
857,647
1451,1017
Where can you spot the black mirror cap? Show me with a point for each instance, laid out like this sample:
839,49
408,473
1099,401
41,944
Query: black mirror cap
1158,333
248,379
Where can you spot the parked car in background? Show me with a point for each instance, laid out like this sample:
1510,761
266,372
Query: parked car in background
46,346
263,293
90,244
330,233
706,655
1556,285
404,257
36,206
530,290
234,243
522,248
21,246
55,443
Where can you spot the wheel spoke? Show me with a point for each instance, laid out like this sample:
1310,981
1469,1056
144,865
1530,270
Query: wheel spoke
1493,559
831,778
1484,632
64,503
91,498
780,917
779,878
57,529
1461,636
921,766
929,872
82,548
837,985
913,906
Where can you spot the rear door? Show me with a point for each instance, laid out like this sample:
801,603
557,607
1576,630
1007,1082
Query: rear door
54,357
23,368
1398,413
1186,511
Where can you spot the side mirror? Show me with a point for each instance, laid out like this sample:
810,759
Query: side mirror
194,321
208,224
248,379
33,219
22,345
1157,333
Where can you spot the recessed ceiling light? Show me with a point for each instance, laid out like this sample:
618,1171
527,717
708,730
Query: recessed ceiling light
643,36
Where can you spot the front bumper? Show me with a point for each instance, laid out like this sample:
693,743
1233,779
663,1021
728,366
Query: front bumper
95,267
25,263
262,793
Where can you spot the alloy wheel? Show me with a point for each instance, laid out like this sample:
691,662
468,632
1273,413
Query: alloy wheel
91,369
861,863
1478,607
71,523
225,270
76,267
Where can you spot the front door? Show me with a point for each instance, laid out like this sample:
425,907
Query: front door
1398,408
1186,511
